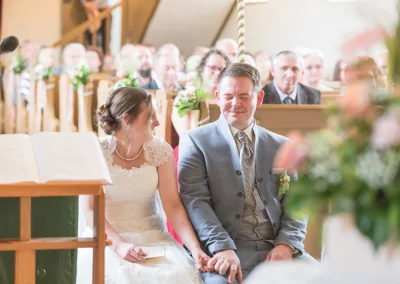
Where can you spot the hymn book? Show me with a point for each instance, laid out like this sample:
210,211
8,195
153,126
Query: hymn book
52,157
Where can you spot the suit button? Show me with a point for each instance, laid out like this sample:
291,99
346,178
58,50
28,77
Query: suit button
240,194
238,173
259,179
238,216
41,272
274,225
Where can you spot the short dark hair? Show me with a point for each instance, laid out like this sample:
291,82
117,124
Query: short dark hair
237,70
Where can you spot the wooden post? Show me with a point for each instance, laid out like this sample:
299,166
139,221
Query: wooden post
25,260
108,33
99,217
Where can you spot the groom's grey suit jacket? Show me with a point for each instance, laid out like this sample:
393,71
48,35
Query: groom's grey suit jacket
211,186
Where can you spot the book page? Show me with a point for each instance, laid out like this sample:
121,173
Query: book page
17,161
69,156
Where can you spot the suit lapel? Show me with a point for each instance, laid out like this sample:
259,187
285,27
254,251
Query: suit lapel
275,99
301,96
230,140
263,163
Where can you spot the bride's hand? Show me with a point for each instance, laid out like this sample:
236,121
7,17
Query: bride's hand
201,259
130,252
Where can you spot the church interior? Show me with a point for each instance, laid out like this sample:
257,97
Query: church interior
327,77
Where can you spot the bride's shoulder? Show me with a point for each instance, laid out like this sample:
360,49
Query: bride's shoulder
157,151
107,144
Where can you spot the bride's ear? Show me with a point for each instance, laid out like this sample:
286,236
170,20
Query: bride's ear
125,119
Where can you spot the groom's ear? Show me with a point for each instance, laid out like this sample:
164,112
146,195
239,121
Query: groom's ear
260,98
217,96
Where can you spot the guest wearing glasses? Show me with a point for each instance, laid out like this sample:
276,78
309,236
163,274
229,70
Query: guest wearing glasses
208,70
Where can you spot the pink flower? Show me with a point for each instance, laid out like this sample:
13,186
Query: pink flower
356,102
386,132
121,73
291,154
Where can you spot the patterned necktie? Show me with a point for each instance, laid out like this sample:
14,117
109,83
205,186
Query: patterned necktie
246,164
288,101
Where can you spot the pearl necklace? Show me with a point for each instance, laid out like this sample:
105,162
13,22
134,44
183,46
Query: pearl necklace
130,159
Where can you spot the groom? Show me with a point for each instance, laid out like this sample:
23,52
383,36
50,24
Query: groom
230,188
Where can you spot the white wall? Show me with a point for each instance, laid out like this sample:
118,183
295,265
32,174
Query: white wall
39,20
321,24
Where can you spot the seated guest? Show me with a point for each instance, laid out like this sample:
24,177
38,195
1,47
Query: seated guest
263,64
94,58
338,73
108,64
364,68
127,58
314,70
287,69
167,68
73,54
209,69
168,48
249,59
229,46
144,61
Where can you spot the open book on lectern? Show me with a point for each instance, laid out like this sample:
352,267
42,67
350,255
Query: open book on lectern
52,157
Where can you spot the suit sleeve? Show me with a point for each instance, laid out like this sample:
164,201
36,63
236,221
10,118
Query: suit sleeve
292,231
196,197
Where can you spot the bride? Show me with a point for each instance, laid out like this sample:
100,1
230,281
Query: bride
142,170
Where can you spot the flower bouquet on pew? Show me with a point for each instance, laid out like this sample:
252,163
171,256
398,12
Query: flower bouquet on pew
189,100
80,76
128,79
43,73
18,64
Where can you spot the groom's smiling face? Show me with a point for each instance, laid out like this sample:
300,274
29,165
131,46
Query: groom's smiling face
238,101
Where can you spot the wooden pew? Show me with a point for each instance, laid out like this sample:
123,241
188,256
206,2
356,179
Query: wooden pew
282,119
49,122
330,99
331,93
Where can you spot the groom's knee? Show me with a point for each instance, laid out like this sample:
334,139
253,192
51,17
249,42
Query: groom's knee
214,278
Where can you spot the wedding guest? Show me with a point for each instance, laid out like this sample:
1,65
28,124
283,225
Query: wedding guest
108,64
338,73
314,70
168,48
144,61
229,46
209,69
287,69
127,58
167,69
263,64
73,54
94,58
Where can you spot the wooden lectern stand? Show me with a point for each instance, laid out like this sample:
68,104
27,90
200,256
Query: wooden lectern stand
25,247
52,165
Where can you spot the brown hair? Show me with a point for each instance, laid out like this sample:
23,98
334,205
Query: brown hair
123,100
203,61
237,70
99,52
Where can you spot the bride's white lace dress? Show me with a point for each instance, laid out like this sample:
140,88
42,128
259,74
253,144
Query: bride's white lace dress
133,209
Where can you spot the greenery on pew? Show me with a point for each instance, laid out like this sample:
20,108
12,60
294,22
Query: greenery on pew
18,64
129,79
189,99
43,73
80,76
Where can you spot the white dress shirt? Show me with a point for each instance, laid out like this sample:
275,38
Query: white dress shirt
283,96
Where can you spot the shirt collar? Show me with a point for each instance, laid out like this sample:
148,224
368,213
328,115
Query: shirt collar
248,131
283,96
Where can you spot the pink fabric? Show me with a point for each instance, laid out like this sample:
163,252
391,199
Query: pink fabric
170,229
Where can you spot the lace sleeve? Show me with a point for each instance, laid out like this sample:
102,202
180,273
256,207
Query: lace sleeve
107,145
157,152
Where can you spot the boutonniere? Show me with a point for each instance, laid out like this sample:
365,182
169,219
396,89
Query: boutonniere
284,181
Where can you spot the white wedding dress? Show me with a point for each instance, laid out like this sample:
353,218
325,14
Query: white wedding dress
134,210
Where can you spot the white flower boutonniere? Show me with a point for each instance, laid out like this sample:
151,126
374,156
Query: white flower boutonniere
284,183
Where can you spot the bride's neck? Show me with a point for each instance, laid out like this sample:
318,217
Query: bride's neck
128,148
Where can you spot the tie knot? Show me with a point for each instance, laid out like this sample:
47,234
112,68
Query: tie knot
243,138
288,101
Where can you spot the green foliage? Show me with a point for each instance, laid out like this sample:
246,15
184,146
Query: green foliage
80,76
190,99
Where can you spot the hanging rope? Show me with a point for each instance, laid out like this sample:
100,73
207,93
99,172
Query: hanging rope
241,30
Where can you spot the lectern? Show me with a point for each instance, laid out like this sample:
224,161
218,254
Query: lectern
56,166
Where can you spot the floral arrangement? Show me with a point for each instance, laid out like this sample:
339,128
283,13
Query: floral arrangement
80,76
353,165
18,64
189,99
129,79
43,73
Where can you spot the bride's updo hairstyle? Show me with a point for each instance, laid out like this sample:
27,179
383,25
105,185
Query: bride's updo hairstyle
123,100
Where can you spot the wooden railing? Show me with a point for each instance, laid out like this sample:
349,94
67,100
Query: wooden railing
78,33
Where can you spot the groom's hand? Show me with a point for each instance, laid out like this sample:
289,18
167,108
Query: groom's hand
280,252
227,260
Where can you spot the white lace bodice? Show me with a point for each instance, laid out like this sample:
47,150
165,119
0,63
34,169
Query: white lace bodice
132,201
